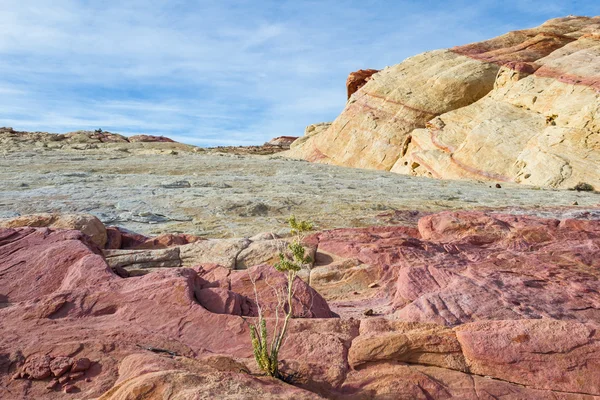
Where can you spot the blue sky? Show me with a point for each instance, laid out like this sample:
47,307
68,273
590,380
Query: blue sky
221,72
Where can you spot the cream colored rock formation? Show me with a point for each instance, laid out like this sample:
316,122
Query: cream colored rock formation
523,107
86,223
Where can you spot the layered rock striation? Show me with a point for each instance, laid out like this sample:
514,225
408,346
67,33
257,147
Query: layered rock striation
522,107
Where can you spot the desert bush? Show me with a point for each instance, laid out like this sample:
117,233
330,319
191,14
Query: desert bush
291,261
583,187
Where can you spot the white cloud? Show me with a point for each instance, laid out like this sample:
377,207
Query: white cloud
216,72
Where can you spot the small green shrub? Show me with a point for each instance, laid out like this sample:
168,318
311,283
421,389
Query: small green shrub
583,187
290,263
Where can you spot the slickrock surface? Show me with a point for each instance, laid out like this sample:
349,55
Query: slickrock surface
523,107
228,195
466,305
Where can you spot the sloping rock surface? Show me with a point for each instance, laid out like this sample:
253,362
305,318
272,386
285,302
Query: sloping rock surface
466,305
522,107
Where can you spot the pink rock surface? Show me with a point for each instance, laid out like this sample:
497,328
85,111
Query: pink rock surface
476,306
166,240
119,238
130,239
306,301
466,266
79,308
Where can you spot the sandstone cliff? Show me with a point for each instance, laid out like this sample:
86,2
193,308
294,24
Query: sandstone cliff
523,107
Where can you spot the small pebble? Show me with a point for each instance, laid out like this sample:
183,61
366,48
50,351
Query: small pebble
52,384
498,186
369,312
70,388
76,375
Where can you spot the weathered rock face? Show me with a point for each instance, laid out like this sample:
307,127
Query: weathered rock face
357,79
464,266
81,317
466,297
83,329
86,223
522,107
138,254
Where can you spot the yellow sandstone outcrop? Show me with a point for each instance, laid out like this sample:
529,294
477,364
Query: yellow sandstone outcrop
523,107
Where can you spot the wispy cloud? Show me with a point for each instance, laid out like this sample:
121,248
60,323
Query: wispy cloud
232,71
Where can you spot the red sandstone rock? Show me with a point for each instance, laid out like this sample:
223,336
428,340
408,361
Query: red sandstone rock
478,295
37,367
357,79
81,364
73,376
130,239
70,388
167,240
52,384
113,238
60,365
307,303
87,310
223,301
471,267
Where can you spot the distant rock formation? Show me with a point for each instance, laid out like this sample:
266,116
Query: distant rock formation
283,141
149,138
522,107
13,141
97,136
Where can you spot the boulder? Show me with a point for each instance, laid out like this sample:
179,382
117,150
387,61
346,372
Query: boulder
86,223
270,285
265,252
222,301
